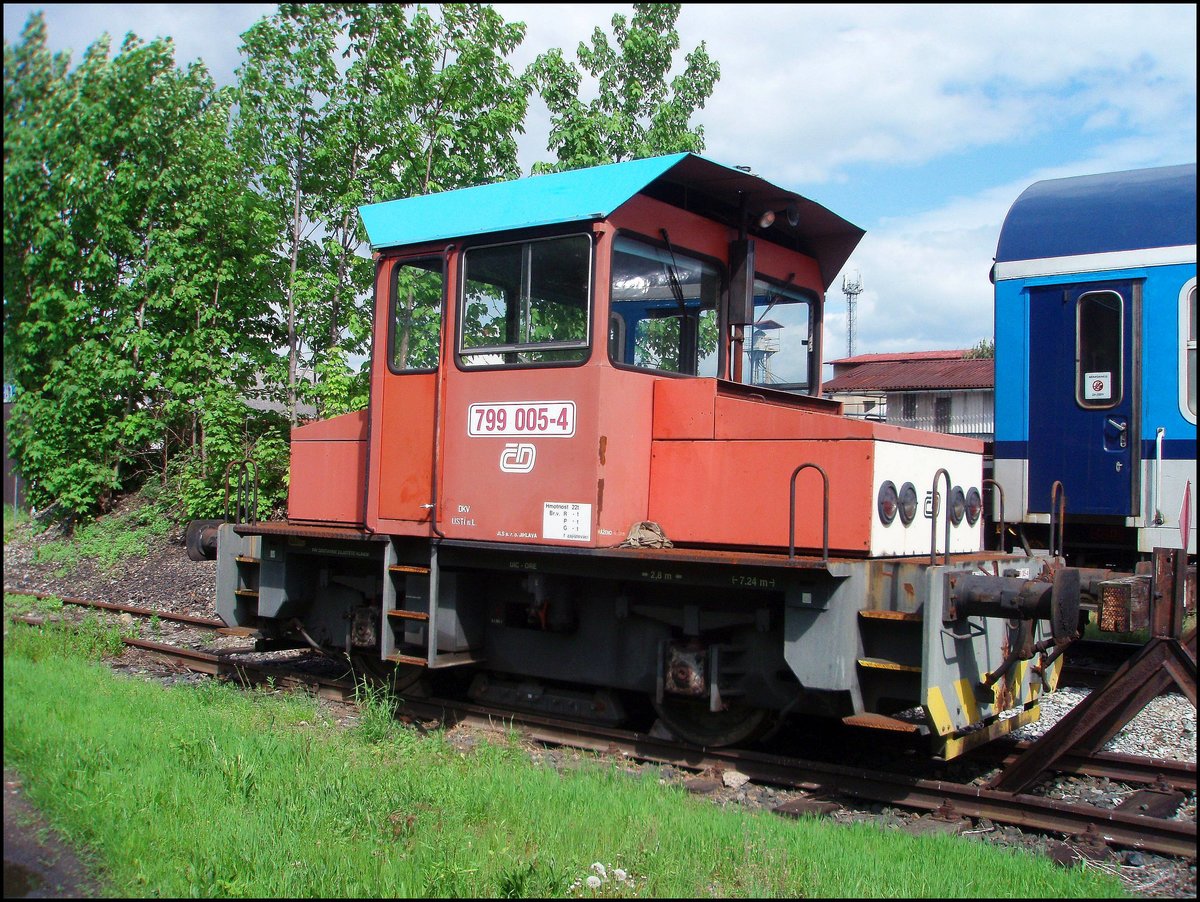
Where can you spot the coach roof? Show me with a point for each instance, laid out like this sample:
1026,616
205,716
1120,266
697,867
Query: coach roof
1096,214
586,195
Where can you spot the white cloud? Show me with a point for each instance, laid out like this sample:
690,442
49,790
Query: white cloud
824,87
849,95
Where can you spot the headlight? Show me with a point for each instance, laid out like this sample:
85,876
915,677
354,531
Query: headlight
888,502
974,506
958,505
908,503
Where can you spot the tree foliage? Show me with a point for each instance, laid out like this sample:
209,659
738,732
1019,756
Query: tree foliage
182,258
985,348
636,113
418,100
130,264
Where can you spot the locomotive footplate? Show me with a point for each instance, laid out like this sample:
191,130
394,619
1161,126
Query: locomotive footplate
681,566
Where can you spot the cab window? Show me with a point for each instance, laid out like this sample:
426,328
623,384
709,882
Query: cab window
663,314
526,302
777,344
417,290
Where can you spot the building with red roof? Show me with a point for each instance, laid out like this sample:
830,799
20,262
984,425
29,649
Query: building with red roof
942,391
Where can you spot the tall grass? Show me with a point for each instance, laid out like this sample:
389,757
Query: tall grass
210,791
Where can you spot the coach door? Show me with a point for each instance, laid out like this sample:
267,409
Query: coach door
1083,403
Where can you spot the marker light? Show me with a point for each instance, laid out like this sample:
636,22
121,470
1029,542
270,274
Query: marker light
889,502
974,506
908,503
958,505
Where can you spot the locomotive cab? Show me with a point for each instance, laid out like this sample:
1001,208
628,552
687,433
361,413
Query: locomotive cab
595,461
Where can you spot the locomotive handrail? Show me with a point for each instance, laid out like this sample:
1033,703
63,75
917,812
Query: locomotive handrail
933,520
824,513
1004,523
246,496
1057,493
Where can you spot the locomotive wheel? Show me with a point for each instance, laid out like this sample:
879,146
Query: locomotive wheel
691,721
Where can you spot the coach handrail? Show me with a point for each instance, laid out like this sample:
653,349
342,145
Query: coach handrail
933,519
1159,434
1057,493
824,513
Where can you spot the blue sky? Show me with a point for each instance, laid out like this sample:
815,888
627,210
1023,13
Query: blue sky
921,124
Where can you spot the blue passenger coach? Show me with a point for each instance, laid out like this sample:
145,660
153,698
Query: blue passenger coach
1095,440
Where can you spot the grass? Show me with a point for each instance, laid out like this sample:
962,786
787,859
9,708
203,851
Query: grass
32,604
14,518
106,540
207,790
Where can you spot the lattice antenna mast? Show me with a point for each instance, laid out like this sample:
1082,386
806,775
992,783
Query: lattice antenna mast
851,288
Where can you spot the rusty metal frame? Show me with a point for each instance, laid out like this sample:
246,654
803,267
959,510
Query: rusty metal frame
1164,662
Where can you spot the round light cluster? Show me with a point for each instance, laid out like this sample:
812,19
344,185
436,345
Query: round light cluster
892,502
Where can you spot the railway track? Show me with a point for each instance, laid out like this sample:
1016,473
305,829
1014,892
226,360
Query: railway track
1134,826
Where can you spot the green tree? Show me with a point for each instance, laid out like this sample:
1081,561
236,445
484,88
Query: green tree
636,112
422,100
984,348
130,289
287,75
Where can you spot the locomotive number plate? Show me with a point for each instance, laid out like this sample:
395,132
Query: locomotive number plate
546,419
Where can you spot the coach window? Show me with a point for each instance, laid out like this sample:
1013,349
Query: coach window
526,303
1099,327
417,290
664,309
1187,362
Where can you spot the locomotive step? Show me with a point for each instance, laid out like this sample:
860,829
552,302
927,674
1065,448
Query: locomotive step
884,664
408,568
246,593
245,559
907,616
241,632
881,722
408,615
447,660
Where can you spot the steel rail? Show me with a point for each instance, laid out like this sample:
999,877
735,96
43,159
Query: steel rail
123,608
1121,768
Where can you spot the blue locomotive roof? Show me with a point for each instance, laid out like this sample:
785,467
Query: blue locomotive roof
1095,214
586,195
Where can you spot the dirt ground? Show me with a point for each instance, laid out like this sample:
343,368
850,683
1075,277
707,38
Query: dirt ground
37,863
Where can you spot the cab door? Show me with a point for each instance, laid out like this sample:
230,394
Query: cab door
1083,397
407,388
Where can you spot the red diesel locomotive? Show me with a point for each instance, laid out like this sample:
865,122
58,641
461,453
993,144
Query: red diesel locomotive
595,466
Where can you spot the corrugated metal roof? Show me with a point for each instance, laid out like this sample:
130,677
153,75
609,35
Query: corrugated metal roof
915,375
900,355
1092,214
584,195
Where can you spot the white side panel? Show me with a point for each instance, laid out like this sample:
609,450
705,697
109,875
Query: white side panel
1012,476
918,464
1162,494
